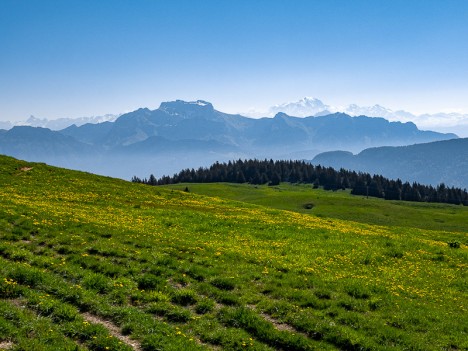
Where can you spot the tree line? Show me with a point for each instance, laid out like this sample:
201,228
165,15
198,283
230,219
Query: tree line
273,172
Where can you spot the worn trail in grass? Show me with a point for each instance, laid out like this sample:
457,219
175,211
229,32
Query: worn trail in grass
173,270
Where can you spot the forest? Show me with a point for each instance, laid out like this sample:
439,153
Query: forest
274,172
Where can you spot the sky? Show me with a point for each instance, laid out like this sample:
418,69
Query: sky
67,58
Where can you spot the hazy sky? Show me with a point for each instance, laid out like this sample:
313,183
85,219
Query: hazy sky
69,58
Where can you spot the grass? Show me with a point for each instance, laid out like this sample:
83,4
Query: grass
302,198
172,270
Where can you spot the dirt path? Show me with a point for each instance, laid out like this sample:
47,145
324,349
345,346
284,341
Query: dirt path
278,325
113,330
6,345
111,327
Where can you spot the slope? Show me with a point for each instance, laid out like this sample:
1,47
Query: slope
302,198
86,260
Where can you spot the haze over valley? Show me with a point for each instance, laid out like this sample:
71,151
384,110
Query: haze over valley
445,122
181,134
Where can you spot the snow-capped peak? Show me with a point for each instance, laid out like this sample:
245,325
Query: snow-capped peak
200,103
309,106
306,106
60,123
370,111
455,122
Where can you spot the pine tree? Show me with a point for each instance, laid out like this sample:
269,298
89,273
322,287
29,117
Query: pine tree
152,180
275,179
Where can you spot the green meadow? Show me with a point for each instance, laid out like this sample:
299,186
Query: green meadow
95,263
339,204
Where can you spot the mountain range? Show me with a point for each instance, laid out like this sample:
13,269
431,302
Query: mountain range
181,120
58,124
444,122
181,134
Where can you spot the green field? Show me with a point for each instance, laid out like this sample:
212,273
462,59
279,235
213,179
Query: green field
340,204
95,263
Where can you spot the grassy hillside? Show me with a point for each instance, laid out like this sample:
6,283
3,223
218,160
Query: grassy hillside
94,263
340,205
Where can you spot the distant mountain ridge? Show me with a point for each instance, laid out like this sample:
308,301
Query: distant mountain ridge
181,134
181,120
429,163
443,121
60,123
44,145
305,107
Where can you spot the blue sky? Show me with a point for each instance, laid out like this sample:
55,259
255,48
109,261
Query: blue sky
68,58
